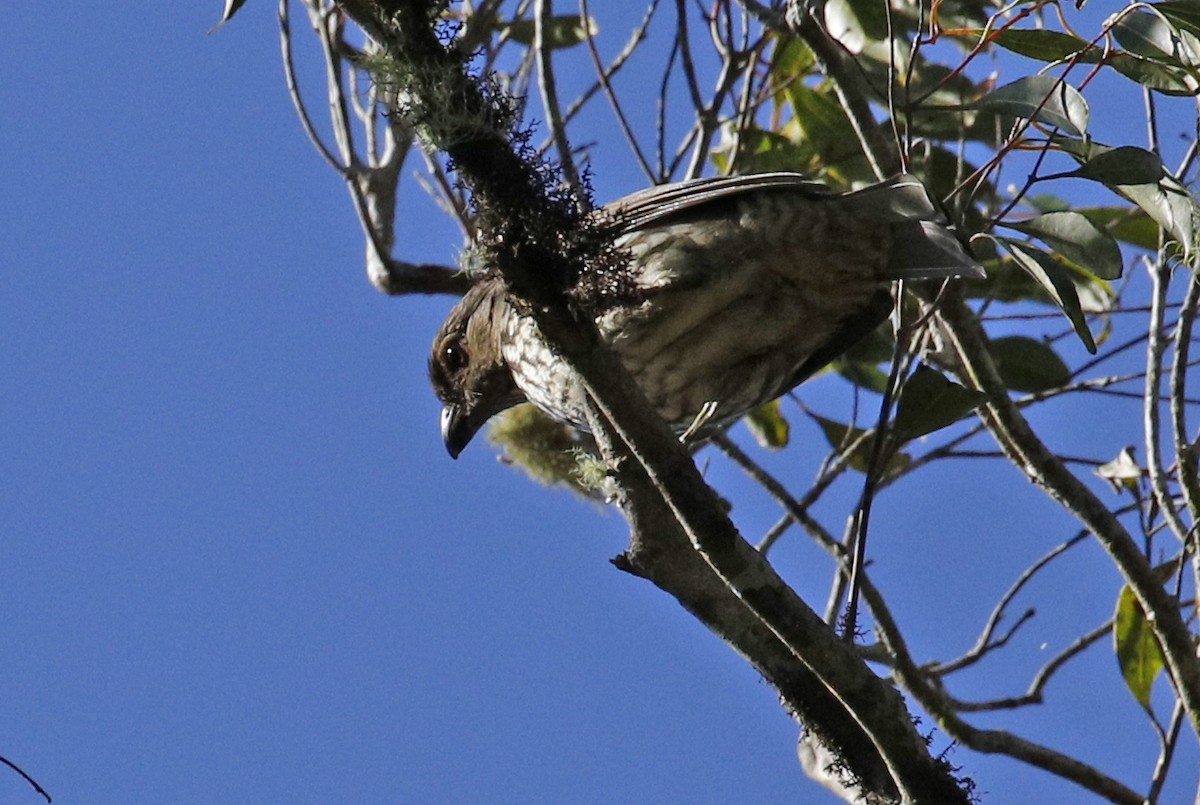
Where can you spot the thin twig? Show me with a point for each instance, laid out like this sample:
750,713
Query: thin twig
26,777
1156,345
543,13
984,642
613,101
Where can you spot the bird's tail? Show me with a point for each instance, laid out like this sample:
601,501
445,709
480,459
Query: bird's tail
924,246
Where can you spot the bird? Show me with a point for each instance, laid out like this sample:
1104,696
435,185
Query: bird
742,288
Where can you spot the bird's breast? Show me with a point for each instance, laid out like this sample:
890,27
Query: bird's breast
730,306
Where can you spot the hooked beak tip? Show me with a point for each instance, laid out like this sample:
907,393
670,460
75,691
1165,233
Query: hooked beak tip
456,430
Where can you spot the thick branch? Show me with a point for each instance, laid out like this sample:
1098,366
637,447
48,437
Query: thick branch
530,232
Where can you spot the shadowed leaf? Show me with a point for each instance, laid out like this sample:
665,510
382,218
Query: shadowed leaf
1026,364
1155,75
1126,164
1127,225
1166,201
768,426
841,436
1055,280
929,402
1076,238
1170,205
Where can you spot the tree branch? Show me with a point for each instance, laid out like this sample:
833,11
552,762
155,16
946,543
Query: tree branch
1027,452
529,232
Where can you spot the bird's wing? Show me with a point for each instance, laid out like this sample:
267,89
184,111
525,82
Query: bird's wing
923,246
645,207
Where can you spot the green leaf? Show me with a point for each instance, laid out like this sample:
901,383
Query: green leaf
1155,75
792,59
1047,202
929,402
1138,652
1184,13
1128,225
867,375
838,434
1077,239
868,20
1026,364
768,426
1125,164
1149,35
761,151
1170,205
1042,44
1042,98
822,125
1166,201
564,31
1055,280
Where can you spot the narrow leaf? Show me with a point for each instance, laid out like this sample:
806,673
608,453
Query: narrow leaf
1042,44
1184,13
1166,201
823,125
1138,652
1155,75
860,363
1054,279
1043,98
867,375
1046,202
929,402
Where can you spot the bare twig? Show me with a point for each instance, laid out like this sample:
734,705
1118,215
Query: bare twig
543,11
604,78
1156,345
985,641
36,786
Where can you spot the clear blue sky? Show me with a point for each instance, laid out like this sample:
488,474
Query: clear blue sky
236,564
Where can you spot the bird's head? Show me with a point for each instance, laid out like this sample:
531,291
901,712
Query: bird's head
467,369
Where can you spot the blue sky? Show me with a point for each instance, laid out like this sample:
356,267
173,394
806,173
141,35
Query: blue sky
236,564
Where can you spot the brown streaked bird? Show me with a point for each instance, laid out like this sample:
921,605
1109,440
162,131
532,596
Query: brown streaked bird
743,288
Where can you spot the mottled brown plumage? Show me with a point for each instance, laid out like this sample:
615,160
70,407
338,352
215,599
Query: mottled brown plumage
743,288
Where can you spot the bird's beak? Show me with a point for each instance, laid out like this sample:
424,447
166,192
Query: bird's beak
457,429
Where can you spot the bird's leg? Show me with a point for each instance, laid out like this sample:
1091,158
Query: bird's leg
706,413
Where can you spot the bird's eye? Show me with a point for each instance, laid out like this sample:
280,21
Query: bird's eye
454,357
